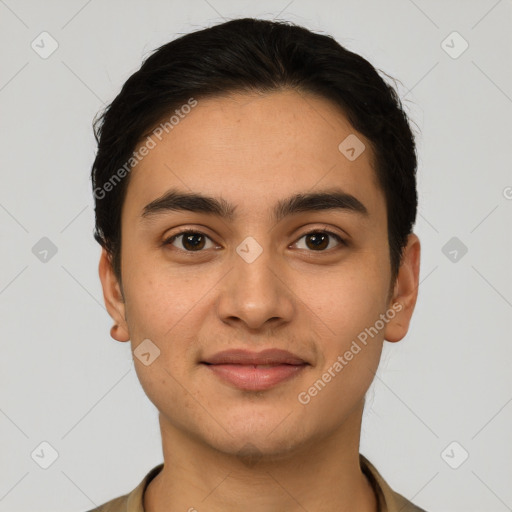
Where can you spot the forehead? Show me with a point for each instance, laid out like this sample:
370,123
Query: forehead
254,148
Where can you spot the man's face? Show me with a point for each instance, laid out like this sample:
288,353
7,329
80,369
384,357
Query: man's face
311,295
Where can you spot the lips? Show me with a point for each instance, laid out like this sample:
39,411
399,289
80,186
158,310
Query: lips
255,371
271,356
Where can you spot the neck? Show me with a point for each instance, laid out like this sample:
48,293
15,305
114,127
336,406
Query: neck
323,474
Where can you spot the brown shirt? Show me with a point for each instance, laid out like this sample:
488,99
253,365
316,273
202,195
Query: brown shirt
388,500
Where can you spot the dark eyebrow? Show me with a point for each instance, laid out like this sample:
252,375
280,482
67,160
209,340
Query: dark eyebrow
176,200
317,201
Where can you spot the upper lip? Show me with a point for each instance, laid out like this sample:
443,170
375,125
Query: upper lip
241,356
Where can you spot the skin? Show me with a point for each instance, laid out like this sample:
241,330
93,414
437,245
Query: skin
253,150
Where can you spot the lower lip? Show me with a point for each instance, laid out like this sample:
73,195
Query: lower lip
249,378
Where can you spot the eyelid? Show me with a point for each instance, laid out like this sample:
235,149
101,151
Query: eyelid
170,239
341,240
324,229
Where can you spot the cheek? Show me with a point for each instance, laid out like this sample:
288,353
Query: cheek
350,347
165,318
348,307
157,299
167,309
348,299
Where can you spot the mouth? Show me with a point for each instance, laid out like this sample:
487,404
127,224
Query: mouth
255,372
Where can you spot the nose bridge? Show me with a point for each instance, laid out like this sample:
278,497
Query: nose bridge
254,291
253,266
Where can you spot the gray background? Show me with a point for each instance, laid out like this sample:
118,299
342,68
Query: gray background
65,382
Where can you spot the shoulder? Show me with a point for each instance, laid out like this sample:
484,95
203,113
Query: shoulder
388,499
119,504
404,505
133,501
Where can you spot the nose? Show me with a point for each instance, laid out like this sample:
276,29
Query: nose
256,293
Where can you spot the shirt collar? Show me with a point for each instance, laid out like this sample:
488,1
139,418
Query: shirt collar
388,500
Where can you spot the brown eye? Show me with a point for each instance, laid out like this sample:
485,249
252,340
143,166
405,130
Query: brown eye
320,240
191,241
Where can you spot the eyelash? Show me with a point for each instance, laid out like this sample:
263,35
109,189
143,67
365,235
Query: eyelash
171,239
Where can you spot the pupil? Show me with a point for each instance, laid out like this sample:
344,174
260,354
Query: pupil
188,240
318,240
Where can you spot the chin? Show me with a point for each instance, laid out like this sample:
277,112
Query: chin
251,451
252,442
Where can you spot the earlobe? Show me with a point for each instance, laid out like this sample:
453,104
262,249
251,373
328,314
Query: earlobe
405,291
119,334
113,297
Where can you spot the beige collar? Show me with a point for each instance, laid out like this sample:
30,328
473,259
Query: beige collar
388,500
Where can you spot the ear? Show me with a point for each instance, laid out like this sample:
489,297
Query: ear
405,292
113,297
